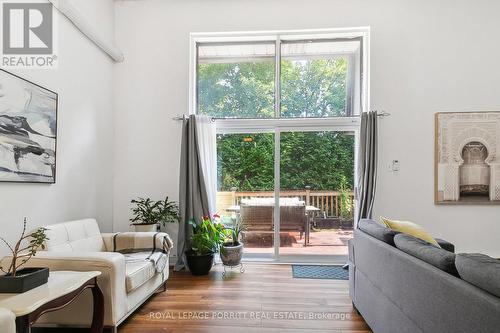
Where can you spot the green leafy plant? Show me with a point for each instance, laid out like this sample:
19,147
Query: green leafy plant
147,211
345,199
233,233
207,236
25,248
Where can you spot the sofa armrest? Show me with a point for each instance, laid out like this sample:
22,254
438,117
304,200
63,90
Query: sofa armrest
446,245
350,248
112,279
130,241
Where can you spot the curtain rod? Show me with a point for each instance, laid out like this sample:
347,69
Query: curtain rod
383,114
184,117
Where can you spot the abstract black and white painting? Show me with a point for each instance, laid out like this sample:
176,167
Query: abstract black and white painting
28,127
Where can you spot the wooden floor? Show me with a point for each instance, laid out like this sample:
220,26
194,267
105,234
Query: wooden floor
263,299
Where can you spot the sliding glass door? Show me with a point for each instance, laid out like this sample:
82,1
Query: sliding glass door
310,214
316,193
245,182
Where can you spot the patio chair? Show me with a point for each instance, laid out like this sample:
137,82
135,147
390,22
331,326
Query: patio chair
293,218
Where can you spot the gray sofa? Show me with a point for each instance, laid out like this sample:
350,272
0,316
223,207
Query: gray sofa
398,292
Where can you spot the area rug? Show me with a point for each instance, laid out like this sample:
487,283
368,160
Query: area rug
320,272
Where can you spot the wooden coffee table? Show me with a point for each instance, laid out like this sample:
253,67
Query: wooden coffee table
61,289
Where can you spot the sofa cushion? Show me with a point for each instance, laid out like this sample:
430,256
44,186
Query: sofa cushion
418,248
138,269
409,228
81,236
377,230
480,270
445,245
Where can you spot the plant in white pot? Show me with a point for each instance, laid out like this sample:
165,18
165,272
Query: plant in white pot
149,214
346,217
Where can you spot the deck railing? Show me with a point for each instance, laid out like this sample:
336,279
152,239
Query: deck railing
328,202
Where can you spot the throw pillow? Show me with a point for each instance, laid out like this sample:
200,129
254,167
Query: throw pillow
409,228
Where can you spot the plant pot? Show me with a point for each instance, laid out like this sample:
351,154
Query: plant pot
25,279
146,227
347,224
199,265
231,254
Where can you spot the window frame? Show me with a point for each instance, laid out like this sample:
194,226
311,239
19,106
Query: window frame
278,125
286,36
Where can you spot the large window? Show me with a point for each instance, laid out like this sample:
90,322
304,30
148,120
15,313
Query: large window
286,108
317,79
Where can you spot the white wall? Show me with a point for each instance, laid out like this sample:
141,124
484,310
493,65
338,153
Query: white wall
426,56
83,81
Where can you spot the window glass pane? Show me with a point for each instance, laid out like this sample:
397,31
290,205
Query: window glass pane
236,80
245,172
319,79
316,192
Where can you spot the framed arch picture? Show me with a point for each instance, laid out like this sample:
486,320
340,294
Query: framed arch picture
467,168
28,131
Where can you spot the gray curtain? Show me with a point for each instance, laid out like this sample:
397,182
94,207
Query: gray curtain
367,164
193,197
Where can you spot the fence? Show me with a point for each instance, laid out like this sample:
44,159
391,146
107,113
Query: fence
327,201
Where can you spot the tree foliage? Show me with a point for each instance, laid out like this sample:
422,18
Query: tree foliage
309,88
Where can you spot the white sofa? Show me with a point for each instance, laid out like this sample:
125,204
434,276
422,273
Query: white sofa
7,321
125,282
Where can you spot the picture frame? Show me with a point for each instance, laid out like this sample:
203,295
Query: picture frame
466,167
28,131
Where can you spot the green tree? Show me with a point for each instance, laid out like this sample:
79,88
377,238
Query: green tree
313,88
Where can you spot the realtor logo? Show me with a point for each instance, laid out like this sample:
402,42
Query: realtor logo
28,34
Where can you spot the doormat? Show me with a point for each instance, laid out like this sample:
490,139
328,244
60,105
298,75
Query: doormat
320,272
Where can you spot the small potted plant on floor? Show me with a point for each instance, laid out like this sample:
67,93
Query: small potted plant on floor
232,251
18,280
149,214
205,241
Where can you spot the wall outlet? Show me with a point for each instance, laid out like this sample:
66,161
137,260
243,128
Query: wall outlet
393,166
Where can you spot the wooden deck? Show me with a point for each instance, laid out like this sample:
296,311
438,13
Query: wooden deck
264,299
321,242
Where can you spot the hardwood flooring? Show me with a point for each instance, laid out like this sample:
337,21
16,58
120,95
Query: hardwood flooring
263,299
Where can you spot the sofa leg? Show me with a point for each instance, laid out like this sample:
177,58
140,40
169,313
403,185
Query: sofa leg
162,288
111,329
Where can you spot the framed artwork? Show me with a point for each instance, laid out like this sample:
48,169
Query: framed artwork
28,131
467,169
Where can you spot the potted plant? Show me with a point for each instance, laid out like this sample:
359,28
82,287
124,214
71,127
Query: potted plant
205,241
149,214
346,219
18,280
232,250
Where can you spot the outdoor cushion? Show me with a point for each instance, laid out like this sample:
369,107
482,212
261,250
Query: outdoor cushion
138,270
409,228
378,231
480,270
442,259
